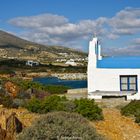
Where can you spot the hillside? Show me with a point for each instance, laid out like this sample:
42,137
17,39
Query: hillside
12,46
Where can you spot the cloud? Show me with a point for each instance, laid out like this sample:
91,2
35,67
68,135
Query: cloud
131,50
43,20
53,29
56,30
125,22
124,51
136,41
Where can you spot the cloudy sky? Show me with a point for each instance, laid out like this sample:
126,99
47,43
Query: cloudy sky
72,23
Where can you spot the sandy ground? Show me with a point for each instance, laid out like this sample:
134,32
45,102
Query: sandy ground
117,127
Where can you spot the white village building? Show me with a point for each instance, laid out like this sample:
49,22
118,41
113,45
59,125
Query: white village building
71,62
32,63
112,76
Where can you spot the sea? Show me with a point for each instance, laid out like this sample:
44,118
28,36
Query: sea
74,84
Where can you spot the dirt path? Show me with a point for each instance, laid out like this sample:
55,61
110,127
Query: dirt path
117,127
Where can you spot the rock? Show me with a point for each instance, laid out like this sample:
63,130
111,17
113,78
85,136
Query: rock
13,125
4,135
11,88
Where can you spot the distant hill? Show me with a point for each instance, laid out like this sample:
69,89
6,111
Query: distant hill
12,46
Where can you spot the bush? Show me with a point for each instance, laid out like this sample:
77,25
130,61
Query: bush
132,109
34,105
85,107
7,101
48,104
69,106
53,103
60,125
23,95
19,102
137,119
57,89
88,109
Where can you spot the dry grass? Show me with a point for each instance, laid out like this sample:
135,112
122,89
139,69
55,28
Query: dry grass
117,127
23,115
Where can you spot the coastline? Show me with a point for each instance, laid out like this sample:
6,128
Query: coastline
63,76
71,76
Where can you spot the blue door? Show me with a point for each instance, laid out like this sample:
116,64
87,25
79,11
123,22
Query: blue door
128,82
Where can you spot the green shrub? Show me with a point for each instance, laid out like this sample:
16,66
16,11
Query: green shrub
69,106
34,105
48,104
7,101
85,107
88,109
53,103
137,119
57,89
131,109
60,126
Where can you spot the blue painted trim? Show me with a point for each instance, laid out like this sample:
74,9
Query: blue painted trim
136,83
120,84
128,82
119,62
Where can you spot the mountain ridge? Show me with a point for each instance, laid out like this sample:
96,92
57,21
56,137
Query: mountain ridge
12,46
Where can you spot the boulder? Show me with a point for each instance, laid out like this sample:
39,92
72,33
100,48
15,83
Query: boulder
13,124
11,88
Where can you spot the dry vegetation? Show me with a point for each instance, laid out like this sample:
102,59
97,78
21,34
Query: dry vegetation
117,127
22,114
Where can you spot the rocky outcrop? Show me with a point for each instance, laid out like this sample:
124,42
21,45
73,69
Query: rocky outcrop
2,133
11,88
10,123
13,125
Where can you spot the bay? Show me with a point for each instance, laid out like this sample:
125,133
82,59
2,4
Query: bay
56,81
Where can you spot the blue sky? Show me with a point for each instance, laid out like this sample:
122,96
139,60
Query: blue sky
72,23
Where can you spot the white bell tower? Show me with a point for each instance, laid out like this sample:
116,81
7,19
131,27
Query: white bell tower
93,56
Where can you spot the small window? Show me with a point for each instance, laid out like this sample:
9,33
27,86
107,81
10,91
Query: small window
128,82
